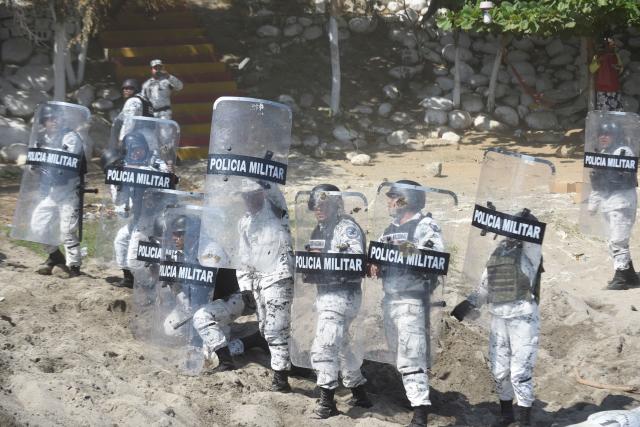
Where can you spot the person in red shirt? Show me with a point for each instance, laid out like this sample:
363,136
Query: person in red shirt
607,67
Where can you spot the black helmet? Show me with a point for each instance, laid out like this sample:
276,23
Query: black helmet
132,142
46,112
179,224
610,128
110,157
318,193
131,83
415,199
189,226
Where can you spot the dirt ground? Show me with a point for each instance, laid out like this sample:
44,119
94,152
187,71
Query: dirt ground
67,355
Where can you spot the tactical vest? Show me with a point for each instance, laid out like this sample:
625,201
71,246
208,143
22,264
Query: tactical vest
506,280
147,108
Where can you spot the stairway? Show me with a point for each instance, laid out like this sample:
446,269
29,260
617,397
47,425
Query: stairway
176,37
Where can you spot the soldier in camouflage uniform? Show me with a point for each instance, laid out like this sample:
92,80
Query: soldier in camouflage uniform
158,89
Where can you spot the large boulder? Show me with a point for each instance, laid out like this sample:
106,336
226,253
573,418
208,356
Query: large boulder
472,102
484,123
436,117
342,133
13,131
437,103
445,83
562,59
16,51
404,71
478,80
22,103
556,47
541,120
36,77
14,153
293,30
268,31
507,115
460,120
313,32
449,53
362,24
399,137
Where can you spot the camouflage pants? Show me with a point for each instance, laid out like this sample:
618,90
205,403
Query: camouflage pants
406,331
213,323
513,347
273,307
331,352
620,223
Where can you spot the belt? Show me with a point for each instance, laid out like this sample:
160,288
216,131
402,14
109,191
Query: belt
165,108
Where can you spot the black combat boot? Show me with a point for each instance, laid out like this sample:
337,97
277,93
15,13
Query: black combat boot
225,361
360,397
633,281
126,281
326,406
55,258
280,381
74,271
524,416
620,280
419,416
255,340
506,414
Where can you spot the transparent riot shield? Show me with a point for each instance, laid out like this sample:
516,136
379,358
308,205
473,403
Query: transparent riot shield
145,254
185,286
612,144
330,256
247,163
143,159
408,257
49,206
504,251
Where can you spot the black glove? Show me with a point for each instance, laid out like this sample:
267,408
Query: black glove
462,309
249,300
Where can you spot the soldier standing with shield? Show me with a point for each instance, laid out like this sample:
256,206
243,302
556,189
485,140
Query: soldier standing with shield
49,209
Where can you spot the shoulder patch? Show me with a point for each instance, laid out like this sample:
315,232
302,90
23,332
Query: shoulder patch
352,232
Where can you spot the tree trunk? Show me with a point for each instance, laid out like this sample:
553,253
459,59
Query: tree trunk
71,75
456,74
82,60
335,66
591,99
59,48
493,81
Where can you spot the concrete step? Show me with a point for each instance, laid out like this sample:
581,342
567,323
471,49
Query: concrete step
119,38
163,51
204,92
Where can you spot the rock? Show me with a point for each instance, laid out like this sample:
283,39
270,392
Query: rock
512,100
434,169
361,160
16,51
409,56
562,59
524,68
440,70
14,153
459,120
111,93
384,109
432,90
288,101
274,48
268,31
634,42
437,103
523,44
631,85
39,59
85,95
564,75
391,91
306,100
401,117
517,56
393,6
313,32
361,109
436,117
295,141
544,83
522,111
293,30
304,21
13,131
362,24
404,71
472,102
102,104
554,48
541,120
310,141
341,133
22,103
417,5
449,53
484,123
399,137
451,137
477,80
445,83
465,70
507,115
36,77
338,146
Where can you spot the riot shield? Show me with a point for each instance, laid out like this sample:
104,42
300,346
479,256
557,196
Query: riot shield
504,251
49,204
144,159
612,144
330,254
247,163
145,253
408,256
185,287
